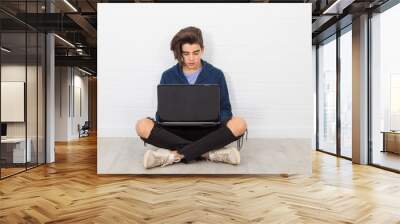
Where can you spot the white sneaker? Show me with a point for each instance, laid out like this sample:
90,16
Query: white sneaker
159,157
229,155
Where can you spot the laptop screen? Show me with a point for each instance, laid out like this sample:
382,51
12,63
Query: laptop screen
188,103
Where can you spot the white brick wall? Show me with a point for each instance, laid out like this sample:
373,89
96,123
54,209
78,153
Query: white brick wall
263,49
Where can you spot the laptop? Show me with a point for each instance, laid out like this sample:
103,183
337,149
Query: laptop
188,105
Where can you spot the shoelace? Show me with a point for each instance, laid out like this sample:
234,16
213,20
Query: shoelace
168,160
163,161
221,156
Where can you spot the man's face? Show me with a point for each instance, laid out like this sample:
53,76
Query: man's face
192,54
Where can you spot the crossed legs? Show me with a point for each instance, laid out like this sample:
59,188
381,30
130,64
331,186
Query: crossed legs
180,147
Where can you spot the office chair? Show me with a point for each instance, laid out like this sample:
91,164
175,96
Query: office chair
84,130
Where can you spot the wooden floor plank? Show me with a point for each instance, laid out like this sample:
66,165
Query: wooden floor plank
70,191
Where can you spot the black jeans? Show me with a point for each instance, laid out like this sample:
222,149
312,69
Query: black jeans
192,142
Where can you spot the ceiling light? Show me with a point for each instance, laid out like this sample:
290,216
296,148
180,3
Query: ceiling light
86,72
70,5
338,6
5,50
65,41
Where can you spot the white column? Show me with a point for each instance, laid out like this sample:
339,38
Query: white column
50,92
360,90
50,110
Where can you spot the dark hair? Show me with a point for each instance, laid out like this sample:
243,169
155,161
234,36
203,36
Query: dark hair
188,35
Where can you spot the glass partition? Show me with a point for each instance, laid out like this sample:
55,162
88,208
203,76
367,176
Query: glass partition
13,109
22,67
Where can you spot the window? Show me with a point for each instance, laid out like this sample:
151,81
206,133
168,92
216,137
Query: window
385,88
327,96
346,93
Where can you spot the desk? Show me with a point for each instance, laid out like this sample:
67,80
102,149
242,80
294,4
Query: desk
15,148
391,141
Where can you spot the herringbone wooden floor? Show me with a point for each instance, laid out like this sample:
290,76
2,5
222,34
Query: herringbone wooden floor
70,191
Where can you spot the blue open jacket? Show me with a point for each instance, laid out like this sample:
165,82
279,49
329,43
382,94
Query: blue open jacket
208,75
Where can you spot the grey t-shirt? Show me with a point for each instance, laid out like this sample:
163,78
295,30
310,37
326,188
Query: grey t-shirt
191,77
